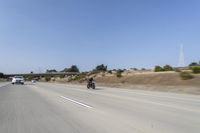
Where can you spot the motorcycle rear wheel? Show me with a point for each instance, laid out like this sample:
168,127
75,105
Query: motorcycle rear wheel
93,86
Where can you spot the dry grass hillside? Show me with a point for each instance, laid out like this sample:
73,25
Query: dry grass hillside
162,78
163,81
159,81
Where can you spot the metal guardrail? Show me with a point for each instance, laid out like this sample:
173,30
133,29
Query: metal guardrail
42,74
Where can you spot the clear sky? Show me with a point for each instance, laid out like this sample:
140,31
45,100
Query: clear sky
47,34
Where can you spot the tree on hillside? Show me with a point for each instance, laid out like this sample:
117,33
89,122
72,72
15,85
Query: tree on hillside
1,75
143,69
193,64
51,71
101,67
73,68
135,69
158,69
167,68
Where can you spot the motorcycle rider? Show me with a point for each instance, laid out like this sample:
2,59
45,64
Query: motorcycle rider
91,80
91,83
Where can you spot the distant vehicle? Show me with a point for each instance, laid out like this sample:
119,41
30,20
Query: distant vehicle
18,80
33,81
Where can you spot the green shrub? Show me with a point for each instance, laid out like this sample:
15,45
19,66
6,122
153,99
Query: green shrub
93,72
167,68
30,77
186,75
143,69
193,64
37,78
119,74
79,77
1,75
62,76
196,69
120,70
158,69
47,78
110,71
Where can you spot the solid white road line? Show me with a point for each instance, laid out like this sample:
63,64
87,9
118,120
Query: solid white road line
79,103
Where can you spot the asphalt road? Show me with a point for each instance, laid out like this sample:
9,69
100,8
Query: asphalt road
57,108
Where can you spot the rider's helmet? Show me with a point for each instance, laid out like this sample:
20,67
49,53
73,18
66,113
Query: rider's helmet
91,79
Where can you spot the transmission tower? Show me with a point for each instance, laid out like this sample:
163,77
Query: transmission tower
181,62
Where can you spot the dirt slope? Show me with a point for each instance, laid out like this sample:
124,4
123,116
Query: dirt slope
171,78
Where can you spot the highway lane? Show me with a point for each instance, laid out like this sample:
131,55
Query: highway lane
44,107
4,84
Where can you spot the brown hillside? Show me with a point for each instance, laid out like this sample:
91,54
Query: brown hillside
171,78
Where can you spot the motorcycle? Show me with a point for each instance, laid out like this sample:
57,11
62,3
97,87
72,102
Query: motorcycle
91,85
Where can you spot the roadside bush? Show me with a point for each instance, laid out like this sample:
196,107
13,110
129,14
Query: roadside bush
93,72
143,69
186,75
196,69
167,68
120,70
103,74
73,68
62,76
79,77
30,77
1,75
158,69
37,78
110,72
119,74
135,69
193,64
70,79
47,78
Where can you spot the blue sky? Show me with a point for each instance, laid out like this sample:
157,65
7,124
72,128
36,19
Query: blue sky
49,34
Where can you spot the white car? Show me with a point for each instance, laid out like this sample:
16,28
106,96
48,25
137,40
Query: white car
18,80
